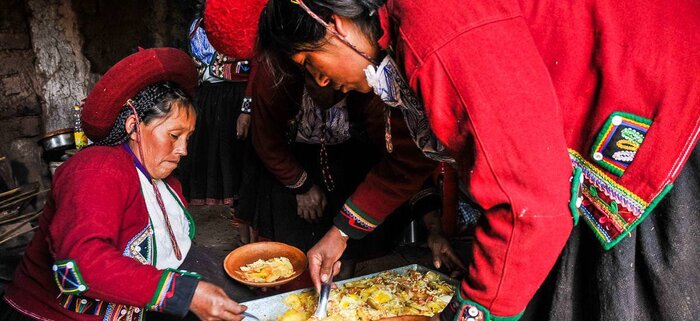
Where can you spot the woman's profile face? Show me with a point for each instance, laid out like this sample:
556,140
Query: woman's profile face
337,65
164,140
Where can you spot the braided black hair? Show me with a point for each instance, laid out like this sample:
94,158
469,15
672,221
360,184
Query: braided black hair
153,102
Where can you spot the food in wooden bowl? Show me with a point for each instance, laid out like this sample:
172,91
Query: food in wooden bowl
265,264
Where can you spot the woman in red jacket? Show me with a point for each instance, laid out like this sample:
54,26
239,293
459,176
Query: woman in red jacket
521,94
114,232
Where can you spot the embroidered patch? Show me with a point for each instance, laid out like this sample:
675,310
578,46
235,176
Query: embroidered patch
356,219
618,141
83,305
243,67
68,277
140,247
120,312
461,309
611,210
165,285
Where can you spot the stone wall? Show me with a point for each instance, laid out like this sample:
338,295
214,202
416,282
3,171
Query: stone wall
20,106
96,34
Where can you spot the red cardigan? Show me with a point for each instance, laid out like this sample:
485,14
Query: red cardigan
521,93
95,235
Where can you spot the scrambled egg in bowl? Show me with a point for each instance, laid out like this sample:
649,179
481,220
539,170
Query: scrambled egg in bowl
267,270
383,296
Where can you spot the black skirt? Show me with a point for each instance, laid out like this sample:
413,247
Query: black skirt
211,173
650,275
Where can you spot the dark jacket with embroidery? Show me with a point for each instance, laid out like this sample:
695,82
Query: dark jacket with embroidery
523,92
92,249
400,174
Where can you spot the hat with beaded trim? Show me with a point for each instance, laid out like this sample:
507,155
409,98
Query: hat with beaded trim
129,76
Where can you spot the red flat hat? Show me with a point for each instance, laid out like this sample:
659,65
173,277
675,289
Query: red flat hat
232,25
129,76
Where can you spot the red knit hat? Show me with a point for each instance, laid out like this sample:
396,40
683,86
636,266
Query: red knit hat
232,25
129,76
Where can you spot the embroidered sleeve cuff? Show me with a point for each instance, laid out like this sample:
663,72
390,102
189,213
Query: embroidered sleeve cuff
461,309
302,185
354,222
245,106
174,292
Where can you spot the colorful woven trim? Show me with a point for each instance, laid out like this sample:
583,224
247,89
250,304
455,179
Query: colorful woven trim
141,246
190,220
120,312
226,68
357,218
68,277
611,210
618,141
576,198
166,288
82,305
461,309
300,181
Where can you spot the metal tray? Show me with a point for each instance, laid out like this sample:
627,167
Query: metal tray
269,308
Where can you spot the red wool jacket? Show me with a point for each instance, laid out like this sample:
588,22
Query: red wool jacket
523,94
90,257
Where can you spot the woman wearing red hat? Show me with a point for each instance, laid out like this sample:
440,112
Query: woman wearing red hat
115,230
521,94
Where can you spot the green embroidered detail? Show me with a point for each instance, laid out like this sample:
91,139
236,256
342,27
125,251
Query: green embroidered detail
361,213
68,277
650,208
618,141
632,135
608,208
576,198
487,316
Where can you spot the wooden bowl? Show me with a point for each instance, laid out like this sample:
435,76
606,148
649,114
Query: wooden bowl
252,252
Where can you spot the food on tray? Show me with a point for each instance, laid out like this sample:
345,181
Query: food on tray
267,270
385,295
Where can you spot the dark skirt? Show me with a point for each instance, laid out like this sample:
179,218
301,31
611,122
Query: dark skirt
651,275
211,173
271,208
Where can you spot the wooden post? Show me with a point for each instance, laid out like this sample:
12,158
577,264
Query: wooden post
59,60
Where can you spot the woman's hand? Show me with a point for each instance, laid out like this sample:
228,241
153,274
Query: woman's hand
310,205
324,256
242,125
210,303
443,254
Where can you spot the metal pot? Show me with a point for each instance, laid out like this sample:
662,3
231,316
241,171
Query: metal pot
58,140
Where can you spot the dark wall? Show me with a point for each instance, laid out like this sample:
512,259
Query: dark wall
112,30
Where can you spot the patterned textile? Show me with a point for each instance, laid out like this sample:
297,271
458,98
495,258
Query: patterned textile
311,118
611,210
389,84
619,140
68,277
200,48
